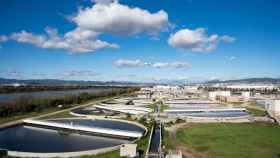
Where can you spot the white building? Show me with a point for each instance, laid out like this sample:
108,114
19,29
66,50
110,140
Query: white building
252,86
246,94
213,94
174,154
144,94
273,107
191,89
128,150
160,92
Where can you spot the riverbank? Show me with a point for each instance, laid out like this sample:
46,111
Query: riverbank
49,113
31,108
41,88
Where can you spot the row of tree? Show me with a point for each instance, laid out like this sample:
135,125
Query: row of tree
23,105
36,88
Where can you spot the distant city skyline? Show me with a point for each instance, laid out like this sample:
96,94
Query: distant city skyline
128,40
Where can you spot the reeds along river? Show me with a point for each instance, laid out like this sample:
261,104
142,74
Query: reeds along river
6,97
22,103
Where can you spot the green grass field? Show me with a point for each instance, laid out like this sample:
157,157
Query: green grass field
232,140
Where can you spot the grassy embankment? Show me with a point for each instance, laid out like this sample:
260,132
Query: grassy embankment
221,140
255,109
154,106
167,141
163,107
30,107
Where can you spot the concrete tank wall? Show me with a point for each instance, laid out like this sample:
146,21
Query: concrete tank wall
64,155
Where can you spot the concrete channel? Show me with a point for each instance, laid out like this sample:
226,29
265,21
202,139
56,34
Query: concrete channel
155,150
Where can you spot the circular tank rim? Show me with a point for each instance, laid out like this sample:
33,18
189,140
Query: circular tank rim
77,153
102,118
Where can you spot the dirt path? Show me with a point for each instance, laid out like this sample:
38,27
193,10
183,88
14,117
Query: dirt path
187,152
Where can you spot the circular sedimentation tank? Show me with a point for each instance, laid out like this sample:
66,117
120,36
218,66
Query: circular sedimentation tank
29,141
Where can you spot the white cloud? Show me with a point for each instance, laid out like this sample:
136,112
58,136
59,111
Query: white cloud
3,38
139,63
80,34
115,18
176,65
103,1
228,39
232,58
105,16
26,37
75,41
130,63
196,40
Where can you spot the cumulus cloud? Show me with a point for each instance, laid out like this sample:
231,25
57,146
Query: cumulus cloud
115,18
104,16
75,41
139,63
197,40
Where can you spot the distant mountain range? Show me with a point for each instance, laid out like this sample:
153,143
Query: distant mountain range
249,81
4,81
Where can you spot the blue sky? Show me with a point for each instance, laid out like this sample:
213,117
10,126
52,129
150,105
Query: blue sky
139,40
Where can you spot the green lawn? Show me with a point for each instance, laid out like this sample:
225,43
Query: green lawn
163,107
167,141
256,112
225,140
256,109
152,106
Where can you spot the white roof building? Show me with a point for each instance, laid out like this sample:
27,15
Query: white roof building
213,94
128,150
